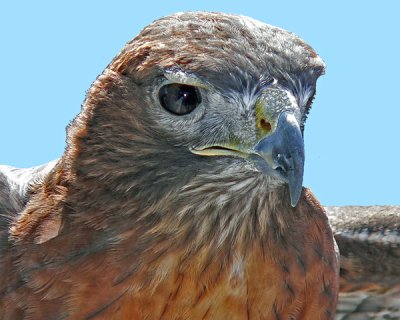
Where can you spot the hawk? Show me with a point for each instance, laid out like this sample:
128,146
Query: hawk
179,195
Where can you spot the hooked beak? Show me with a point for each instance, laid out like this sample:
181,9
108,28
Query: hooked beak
282,154
279,154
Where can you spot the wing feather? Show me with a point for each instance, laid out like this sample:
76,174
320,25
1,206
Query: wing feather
15,184
369,244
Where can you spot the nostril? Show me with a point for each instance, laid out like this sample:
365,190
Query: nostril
283,162
281,170
265,125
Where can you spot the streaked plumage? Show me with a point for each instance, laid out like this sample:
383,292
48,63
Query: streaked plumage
180,192
367,236
369,243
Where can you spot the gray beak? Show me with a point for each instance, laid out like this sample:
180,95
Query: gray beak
282,154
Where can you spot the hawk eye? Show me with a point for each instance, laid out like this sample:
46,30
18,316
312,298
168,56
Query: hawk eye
178,98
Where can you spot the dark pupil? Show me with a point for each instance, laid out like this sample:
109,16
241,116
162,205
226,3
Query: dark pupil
179,99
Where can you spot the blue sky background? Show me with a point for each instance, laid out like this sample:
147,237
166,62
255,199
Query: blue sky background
51,53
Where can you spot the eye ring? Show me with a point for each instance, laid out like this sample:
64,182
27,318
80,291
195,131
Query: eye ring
179,99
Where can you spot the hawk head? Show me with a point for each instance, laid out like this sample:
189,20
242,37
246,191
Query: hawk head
213,96
186,162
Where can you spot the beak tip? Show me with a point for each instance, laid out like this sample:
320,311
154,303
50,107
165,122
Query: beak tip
293,204
295,190
294,199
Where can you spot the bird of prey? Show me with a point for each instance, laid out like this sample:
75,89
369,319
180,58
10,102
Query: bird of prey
179,195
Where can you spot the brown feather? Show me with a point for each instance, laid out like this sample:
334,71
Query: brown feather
131,225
